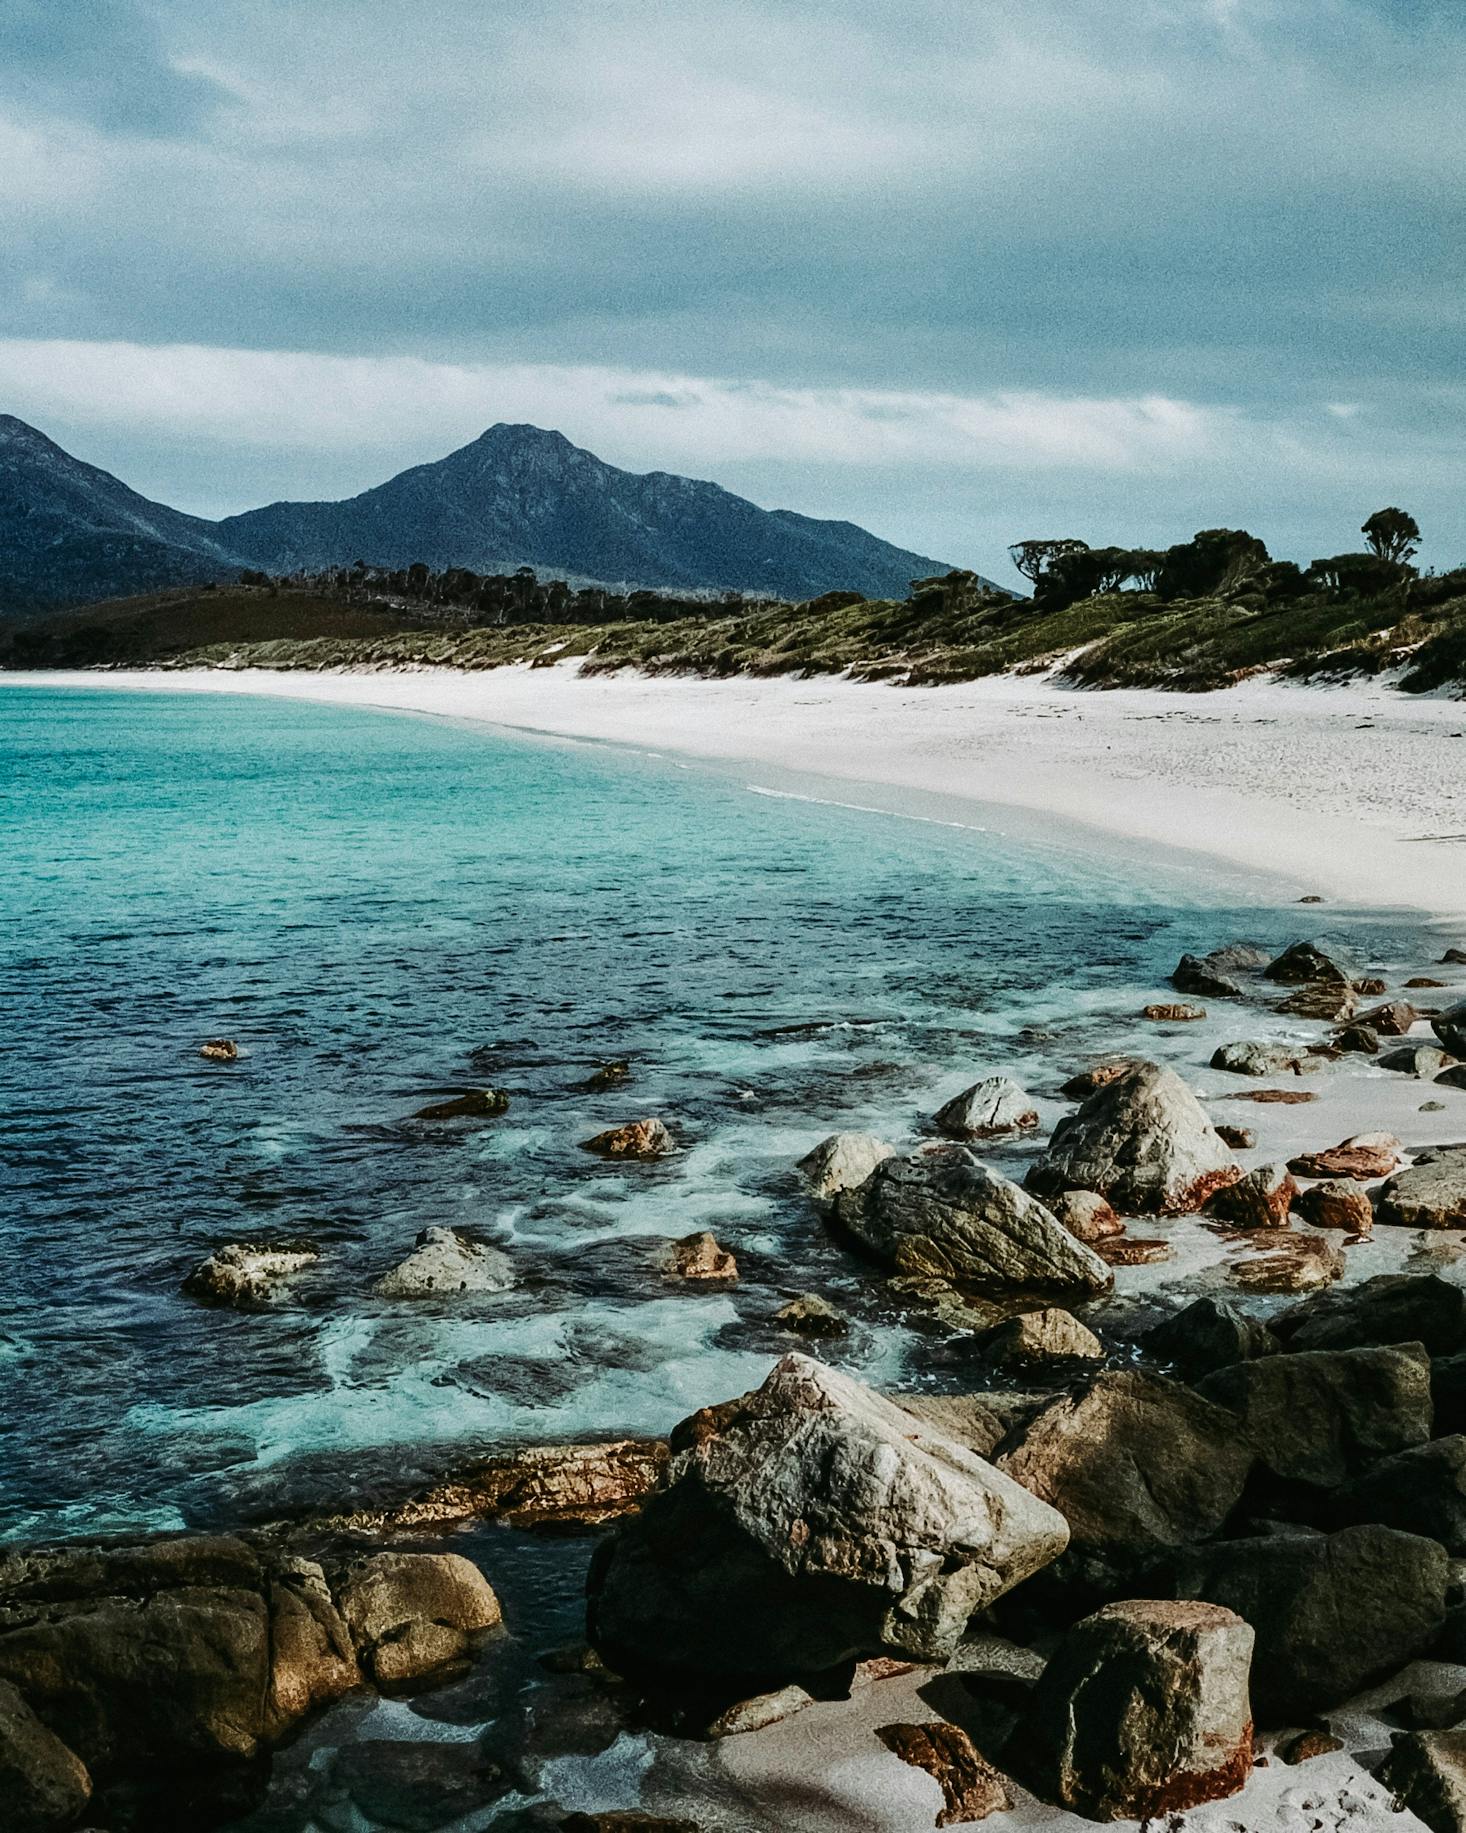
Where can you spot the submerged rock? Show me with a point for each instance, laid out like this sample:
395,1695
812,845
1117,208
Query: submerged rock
1143,1711
637,1139
987,1110
700,1257
250,1275
220,1050
946,1214
609,1075
809,1315
842,1162
807,1524
1143,1142
1261,1198
1364,1156
474,1104
445,1262
1431,1194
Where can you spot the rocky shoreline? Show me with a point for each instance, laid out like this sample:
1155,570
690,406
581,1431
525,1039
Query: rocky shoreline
1204,1491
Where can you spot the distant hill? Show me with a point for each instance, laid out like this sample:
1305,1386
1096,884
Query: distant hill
517,496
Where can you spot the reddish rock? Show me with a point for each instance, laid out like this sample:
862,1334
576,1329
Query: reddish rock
1240,1139
1365,1156
1099,1076
1336,1204
1261,1199
1290,1262
700,1257
973,1788
637,1139
1180,1014
1087,1215
1133,1250
1280,1097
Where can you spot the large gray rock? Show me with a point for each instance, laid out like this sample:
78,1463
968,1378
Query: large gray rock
445,1264
1332,1612
1423,1061
1422,1491
1321,1416
1209,1334
945,1214
1052,1334
1430,1194
1143,1711
43,1785
1450,1027
807,1524
1390,1308
1426,1771
1250,1058
1143,1142
1305,964
988,1110
250,1275
842,1162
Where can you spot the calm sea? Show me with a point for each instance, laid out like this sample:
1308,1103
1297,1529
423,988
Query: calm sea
382,908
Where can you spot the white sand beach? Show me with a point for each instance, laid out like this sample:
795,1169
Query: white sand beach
1354,793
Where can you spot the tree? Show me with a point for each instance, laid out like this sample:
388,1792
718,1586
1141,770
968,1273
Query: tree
1145,567
1393,534
1033,558
1357,575
1213,562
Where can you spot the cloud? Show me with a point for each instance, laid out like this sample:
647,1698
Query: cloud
98,61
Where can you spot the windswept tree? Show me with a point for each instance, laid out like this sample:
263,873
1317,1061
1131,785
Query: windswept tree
1034,558
1393,534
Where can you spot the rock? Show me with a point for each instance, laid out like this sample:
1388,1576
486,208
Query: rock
1321,999
946,1214
1285,1097
1087,1216
1136,1465
987,1110
1143,1711
812,1524
1195,974
1290,1262
445,1263
1365,1156
1454,957
1357,1040
1332,1613
1304,964
700,1257
1321,1416
1422,980
1174,1014
630,1820
1371,986
474,1104
410,1785
1209,1334
1431,1194
1134,1251
1304,1746
972,1787
1432,1107
1256,1059
1421,1060
1454,1077
1143,1142
1421,1490
609,1075
1039,1336
44,1785
637,1139
1240,1139
1261,1198
1448,1393
809,1315
221,1050
1450,1027
313,1661
249,1275
978,1421
1393,1019
1099,1075
414,1614
758,1712
1426,1770
842,1162
1390,1308
1336,1205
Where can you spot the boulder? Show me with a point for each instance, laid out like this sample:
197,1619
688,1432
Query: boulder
1261,1198
1393,1019
1142,1142
809,1315
473,1104
1250,1058
1356,1040
1303,964
1448,1392
1321,999
987,1110
1430,1194
1364,1156
1286,1260
1336,1204
1240,1139
1422,1491
1450,1027
1087,1216
1136,1464
946,1214
412,1615
220,1050
1039,1336
1174,1014
1390,1308
700,1257
638,1139
1098,1075
1424,1061
1422,980
609,1075
810,1522
1142,1712
972,1788
842,1162
1454,1077
1453,957
44,1785
1209,1334
1332,1613
445,1263
250,1275
1426,1771
978,1421
409,1785
1320,1416
1194,974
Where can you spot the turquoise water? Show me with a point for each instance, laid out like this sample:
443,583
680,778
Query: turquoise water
383,908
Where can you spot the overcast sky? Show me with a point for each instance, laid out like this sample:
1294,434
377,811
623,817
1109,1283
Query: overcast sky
962,272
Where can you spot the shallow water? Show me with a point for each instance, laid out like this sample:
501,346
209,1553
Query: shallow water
382,909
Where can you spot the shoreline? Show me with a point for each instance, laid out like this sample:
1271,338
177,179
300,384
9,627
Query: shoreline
1338,792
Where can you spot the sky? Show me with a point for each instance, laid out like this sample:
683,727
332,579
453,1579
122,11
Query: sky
965,273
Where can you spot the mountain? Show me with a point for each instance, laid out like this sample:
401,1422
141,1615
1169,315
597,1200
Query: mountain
520,496
70,532
517,496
